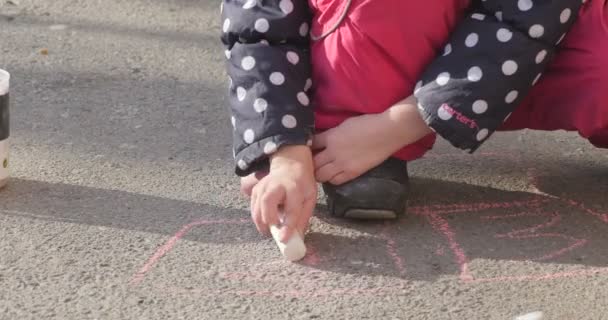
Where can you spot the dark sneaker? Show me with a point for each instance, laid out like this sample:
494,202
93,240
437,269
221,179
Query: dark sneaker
381,193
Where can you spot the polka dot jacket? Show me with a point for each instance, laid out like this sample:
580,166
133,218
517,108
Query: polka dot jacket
493,58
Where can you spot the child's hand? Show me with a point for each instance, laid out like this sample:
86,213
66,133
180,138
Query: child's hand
289,187
361,143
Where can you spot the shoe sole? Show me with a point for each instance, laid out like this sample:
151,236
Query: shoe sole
370,214
366,213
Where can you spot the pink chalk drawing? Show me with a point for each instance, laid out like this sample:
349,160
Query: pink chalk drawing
391,250
436,215
164,249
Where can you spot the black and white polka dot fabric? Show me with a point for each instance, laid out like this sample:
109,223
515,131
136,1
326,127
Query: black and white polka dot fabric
494,57
268,62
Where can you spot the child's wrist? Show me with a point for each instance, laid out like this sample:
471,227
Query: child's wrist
297,153
406,120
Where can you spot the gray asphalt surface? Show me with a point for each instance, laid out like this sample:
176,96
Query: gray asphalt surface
123,204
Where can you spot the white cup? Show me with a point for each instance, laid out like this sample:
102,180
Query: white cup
4,126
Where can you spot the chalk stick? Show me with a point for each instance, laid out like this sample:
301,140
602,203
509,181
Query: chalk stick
294,249
538,315
4,79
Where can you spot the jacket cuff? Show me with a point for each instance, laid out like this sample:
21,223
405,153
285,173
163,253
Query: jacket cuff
255,157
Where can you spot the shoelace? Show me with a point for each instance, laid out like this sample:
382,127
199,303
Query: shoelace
336,25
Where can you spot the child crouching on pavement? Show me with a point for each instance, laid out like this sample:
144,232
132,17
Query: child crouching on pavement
346,92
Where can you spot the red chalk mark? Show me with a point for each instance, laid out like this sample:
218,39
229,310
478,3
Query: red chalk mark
574,243
443,227
555,219
532,233
473,207
311,258
433,214
602,216
165,248
440,251
391,250
509,216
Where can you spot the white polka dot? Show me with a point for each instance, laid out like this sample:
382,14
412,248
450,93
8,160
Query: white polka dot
260,105
472,40
565,16
475,74
480,106
270,148
304,29
308,85
498,15
447,50
264,42
309,142
229,82
249,136
525,5
482,134
242,165
536,31
540,57
293,57
222,7
228,54
286,6
226,25
261,25
233,121
303,99
277,78
444,114
250,4
504,35
248,63
478,16
443,78
418,87
511,96
536,79
241,93
561,38
509,67
289,121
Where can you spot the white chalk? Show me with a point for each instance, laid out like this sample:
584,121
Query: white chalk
4,79
294,249
538,315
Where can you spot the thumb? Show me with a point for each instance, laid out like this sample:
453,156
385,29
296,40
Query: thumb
319,141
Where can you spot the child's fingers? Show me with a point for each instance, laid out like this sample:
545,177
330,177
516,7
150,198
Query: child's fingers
247,184
293,212
340,178
256,213
322,158
327,172
319,141
269,203
307,213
